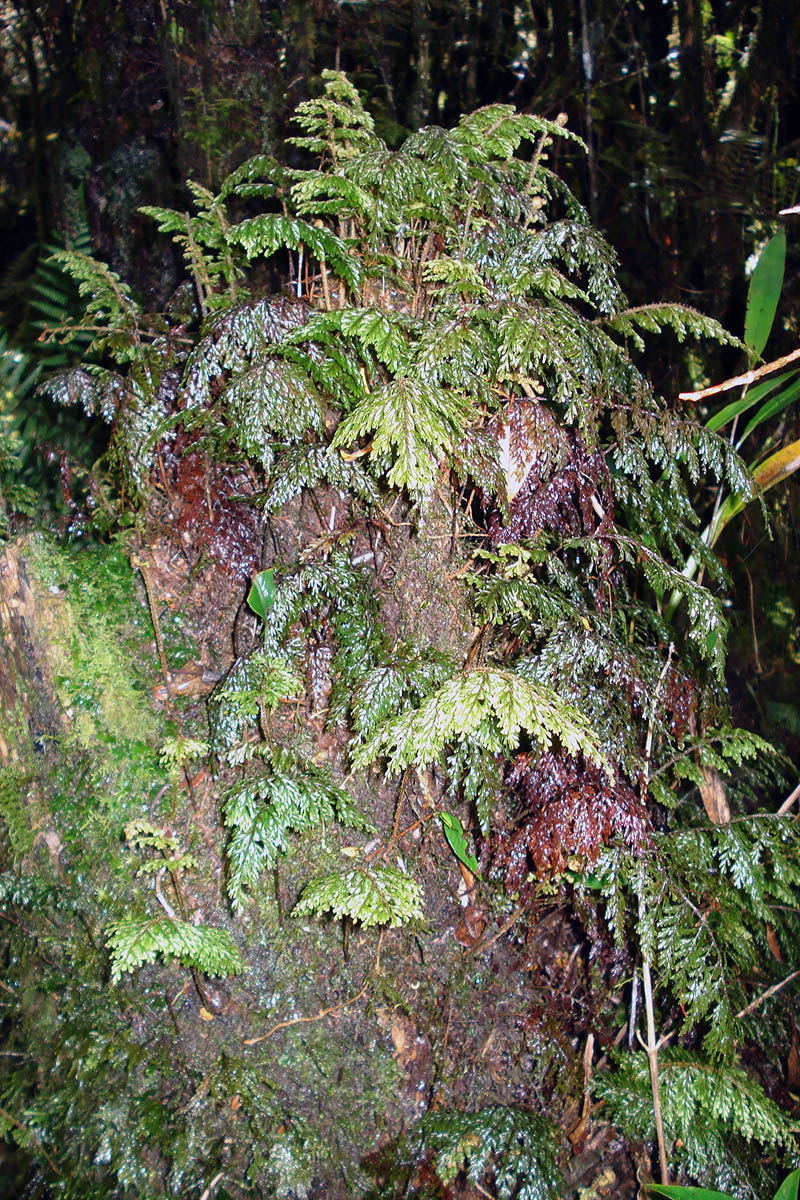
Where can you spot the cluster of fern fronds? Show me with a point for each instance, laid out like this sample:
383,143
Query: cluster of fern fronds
455,342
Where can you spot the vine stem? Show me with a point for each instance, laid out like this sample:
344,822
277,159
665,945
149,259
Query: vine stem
759,1000
652,1041
789,801
742,380
323,1012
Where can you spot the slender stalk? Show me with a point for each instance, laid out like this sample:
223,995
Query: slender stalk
652,1041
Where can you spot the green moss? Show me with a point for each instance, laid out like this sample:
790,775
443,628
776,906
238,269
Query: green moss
95,658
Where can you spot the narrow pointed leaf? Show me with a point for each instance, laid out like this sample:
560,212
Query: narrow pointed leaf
765,289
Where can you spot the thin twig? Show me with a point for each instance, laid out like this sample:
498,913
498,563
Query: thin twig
759,1000
148,587
323,1012
758,668
165,904
325,290
742,380
789,801
652,1041
652,1058
512,920
220,1175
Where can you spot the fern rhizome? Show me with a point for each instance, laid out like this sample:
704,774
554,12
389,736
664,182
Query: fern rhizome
473,643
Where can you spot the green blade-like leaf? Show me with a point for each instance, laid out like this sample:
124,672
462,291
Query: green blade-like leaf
686,1193
454,832
772,470
773,406
262,594
790,1188
765,289
746,402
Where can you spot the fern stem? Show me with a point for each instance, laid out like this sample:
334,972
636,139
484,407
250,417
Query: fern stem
325,290
652,1058
652,1043
195,261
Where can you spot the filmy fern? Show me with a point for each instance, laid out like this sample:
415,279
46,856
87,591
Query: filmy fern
136,942
264,809
511,1149
369,895
698,1102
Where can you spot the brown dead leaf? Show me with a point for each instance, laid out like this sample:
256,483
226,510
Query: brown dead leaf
193,679
793,1062
715,799
404,1040
471,927
772,942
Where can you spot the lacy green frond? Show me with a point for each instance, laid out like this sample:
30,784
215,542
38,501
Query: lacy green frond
261,236
133,943
489,706
262,811
233,342
336,125
204,242
413,423
367,895
390,688
698,1098
271,402
110,306
512,1150
680,318
306,466
258,681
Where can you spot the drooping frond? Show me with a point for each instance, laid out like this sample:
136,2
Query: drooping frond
289,797
136,942
512,1149
368,895
489,706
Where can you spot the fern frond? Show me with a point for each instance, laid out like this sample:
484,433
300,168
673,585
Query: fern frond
368,895
698,1097
413,423
262,811
263,235
260,680
133,943
514,1150
488,705
680,318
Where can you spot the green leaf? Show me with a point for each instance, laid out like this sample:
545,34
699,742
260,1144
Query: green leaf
134,943
369,895
262,594
772,470
784,398
746,402
686,1193
790,1188
763,294
454,833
